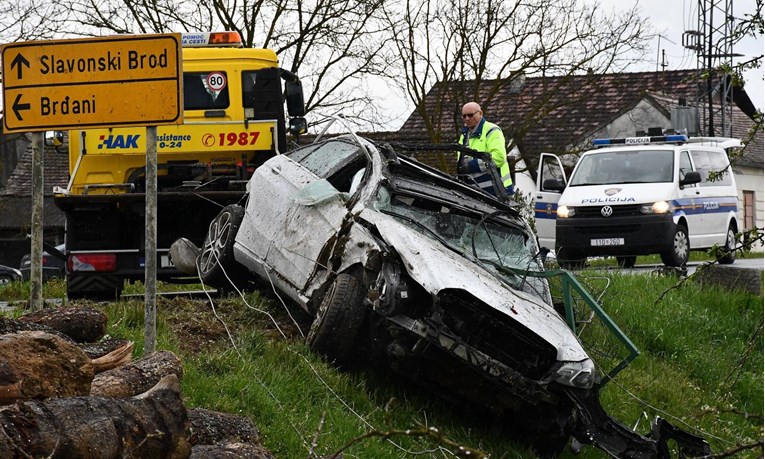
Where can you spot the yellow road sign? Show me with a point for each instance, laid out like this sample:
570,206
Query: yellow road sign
126,80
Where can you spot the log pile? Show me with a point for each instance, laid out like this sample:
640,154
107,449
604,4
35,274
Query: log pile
65,392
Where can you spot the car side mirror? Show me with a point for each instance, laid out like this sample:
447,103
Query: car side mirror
298,126
553,185
53,138
690,178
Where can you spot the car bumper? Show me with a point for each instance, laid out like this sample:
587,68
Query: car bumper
641,235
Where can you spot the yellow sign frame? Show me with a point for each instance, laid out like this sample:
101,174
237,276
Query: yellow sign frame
125,80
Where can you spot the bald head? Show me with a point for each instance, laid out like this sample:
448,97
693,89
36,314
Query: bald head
471,114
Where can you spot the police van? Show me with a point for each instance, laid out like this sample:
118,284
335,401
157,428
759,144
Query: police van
664,195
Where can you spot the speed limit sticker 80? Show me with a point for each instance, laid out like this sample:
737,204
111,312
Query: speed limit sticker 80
216,81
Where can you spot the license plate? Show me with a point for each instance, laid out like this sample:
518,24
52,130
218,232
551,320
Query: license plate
164,262
607,241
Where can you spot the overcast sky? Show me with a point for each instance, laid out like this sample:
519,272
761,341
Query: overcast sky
672,17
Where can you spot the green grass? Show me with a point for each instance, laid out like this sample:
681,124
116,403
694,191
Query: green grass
701,365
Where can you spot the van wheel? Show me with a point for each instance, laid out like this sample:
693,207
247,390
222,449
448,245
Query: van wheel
569,260
626,262
338,321
677,255
216,259
729,254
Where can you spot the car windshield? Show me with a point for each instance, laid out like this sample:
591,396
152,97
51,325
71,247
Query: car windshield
502,248
615,167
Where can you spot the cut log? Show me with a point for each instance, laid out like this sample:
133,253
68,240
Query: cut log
35,364
136,377
103,347
119,356
10,326
84,325
230,451
154,424
212,427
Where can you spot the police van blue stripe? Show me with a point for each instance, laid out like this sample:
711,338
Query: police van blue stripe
546,210
706,205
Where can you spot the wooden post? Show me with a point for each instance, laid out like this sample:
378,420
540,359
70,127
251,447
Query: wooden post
35,270
150,249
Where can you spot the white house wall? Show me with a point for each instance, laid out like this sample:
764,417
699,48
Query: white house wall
750,179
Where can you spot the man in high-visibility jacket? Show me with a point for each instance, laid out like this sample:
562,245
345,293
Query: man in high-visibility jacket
484,136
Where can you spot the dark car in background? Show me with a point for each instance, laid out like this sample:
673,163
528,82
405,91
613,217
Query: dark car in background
53,263
8,275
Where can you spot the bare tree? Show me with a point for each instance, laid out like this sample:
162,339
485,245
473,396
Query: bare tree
452,49
25,20
331,44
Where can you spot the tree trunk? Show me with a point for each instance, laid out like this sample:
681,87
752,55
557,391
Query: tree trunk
84,325
10,326
136,377
36,364
154,424
119,356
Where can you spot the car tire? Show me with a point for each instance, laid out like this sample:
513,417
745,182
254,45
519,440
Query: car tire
338,321
626,262
5,280
569,260
678,254
216,263
729,254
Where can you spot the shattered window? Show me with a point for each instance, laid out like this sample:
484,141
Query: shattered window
490,241
325,158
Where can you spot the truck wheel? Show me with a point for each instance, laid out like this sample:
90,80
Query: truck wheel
338,321
730,243
677,255
216,260
626,262
569,260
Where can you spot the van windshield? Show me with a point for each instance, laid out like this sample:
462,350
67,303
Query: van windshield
616,167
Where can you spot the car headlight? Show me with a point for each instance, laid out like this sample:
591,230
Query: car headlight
566,211
658,207
576,374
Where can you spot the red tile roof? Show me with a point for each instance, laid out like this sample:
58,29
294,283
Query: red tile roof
560,114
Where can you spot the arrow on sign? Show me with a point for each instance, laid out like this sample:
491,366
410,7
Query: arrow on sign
17,107
18,61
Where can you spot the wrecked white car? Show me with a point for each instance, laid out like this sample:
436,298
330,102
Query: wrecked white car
400,263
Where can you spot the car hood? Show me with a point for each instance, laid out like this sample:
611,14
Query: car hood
427,260
629,193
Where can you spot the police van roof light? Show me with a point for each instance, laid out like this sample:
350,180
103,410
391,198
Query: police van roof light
674,138
202,39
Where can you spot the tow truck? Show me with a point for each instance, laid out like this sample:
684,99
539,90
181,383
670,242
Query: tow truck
234,120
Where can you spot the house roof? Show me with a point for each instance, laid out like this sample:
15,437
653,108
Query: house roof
559,114
17,213
55,171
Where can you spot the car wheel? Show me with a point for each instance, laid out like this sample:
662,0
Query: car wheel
216,261
569,260
677,255
626,262
5,280
338,321
729,254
